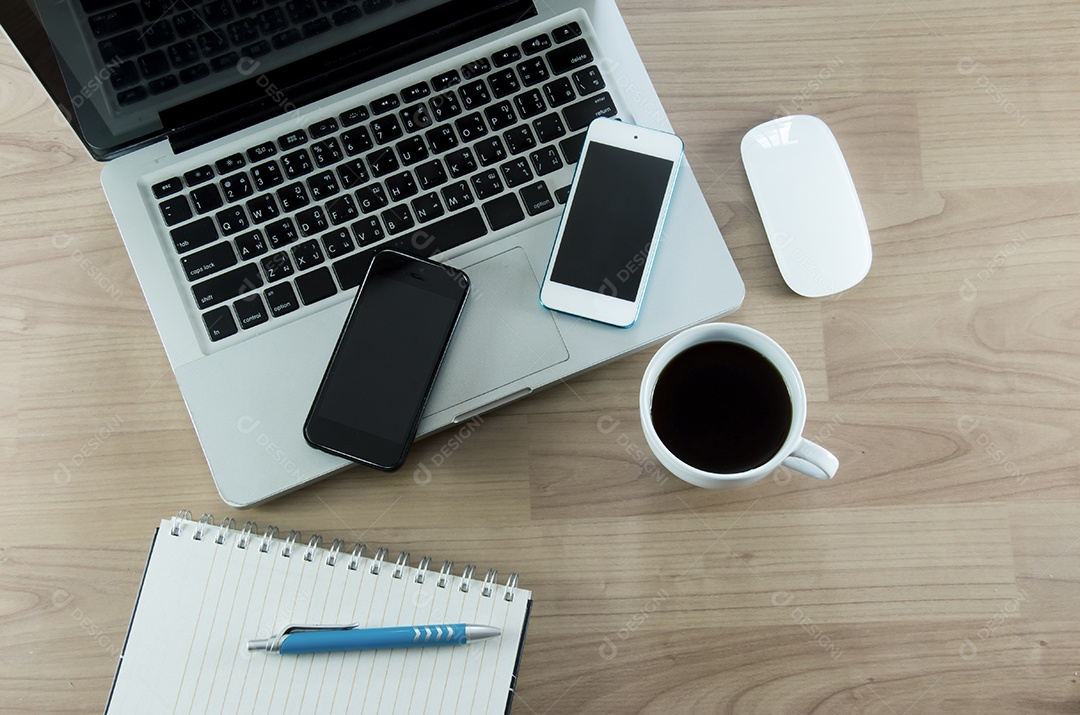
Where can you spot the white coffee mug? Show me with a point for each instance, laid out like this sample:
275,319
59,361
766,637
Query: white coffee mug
798,453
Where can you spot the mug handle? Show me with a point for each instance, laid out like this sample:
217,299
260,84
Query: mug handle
812,460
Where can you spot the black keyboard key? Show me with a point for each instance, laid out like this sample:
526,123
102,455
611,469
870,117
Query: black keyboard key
505,57
227,286
536,44
194,235
415,117
445,106
346,15
297,163
164,84
236,187
251,311
300,10
579,115
312,221
489,151
326,152
281,233
382,162
503,83
131,96
444,80
571,147
519,139
537,198
471,127
400,186
322,186
414,92
427,207
317,27
230,163
412,150
287,38
430,175
243,31
367,231
250,244
183,53
353,116
532,71
516,172
341,210
167,187
154,64
546,160
315,286
266,176
292,140
159,34
386,129
262,208
256,49
352,174
475,68
530,104
232,220
559,92
224,62
566,32
549,128
441,139
175,210
307,255
503,211
589,80
563,195
397,219
116,20
213,43
276,267
121,47
500,116
293,197
474,95
188,23
217,12
371,198
281,299
486,184
460,163
262,151
338,243
194,73
442,235
356,140
457,195
569,57
382,105
208,261
206,199
319,130
198,176
124,75
219,323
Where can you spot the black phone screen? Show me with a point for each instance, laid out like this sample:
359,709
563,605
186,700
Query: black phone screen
618,196
380,375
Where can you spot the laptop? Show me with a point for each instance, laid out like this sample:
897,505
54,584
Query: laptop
259,151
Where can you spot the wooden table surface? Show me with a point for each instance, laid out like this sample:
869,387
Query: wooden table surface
938,572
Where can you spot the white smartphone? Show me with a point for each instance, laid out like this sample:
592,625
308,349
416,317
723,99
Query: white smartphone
612,221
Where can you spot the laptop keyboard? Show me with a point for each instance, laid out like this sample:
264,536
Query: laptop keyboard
436,164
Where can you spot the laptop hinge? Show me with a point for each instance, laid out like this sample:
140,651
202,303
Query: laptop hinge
285,89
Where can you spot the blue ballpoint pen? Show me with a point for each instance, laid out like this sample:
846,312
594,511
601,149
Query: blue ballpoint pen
332,639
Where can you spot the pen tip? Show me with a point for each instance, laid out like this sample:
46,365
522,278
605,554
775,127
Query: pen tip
476,633
259,644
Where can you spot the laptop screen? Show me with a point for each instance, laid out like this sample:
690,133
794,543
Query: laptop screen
127,72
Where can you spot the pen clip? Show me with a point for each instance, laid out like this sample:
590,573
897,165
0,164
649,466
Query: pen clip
273,643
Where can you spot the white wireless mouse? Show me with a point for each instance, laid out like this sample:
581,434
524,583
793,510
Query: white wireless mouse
808,204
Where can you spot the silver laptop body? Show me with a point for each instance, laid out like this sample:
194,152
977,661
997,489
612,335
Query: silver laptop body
249,394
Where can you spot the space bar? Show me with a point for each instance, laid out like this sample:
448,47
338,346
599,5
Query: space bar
425,241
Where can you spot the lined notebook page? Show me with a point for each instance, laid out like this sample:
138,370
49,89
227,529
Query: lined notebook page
201,602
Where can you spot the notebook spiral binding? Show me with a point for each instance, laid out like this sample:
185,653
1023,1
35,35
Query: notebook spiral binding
205,527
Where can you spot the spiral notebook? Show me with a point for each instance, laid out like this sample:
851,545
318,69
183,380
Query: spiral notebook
208,589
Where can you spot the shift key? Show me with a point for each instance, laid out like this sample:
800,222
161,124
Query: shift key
579,115
226,286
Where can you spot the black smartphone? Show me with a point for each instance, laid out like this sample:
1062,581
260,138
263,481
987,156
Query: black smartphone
380,375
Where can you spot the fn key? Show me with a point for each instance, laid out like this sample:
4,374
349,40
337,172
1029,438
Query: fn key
219,323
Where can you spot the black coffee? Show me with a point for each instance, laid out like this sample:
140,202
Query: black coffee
721,407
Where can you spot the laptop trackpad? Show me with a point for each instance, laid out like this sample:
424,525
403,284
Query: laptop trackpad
504,333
